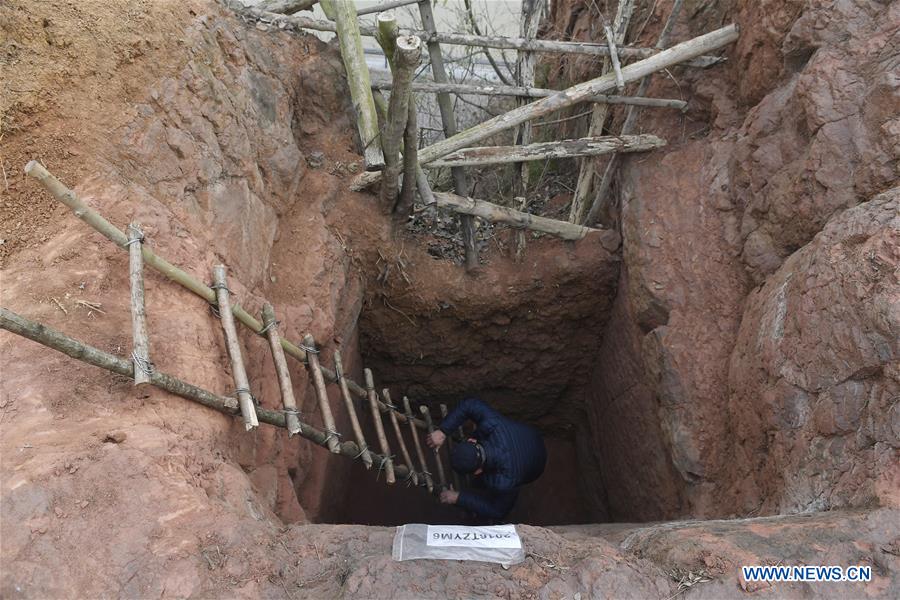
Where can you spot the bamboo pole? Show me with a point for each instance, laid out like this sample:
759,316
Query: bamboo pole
285,7
60,342
529,92
312,362
429,483
241,383
455,475
347,29
270,325
588,167
140,338
351,410
112,233
592,146
407,55
404,452
573,95
387,462
442,477
614,57
631,119
448,121
514,218
298,22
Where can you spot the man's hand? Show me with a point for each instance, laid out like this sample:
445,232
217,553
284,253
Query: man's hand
436,439
449,497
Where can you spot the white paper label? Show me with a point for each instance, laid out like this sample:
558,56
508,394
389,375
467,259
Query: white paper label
495,536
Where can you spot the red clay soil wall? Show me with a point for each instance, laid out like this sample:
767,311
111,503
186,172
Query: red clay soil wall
798,126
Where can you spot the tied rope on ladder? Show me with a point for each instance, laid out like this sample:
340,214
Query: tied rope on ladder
384,461
143,364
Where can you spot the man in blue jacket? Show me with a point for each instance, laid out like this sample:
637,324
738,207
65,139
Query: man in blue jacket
501,454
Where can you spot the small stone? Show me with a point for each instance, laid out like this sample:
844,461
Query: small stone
115,437
315,159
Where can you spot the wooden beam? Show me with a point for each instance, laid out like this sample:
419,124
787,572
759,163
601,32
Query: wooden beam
140,338
347,29
238,372
387,463
299,22
525,63
351,411
285,7
407,53
514,218
442,477
384,6
81,210
318,381
529,92
455,475
614,57
429,483
281,370
573,95
404,451
60,342
593,146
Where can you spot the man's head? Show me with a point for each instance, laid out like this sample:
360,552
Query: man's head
467,457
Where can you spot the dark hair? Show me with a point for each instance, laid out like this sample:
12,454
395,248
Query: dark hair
466,457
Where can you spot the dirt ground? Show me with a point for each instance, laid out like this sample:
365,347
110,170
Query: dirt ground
734,360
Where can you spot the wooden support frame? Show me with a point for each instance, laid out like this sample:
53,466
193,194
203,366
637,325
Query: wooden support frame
50,338
429,482
593,146
270,326
318,381
563,99
351,411
384,6
97,222
140,338
238,372
387,462
398,433
285,7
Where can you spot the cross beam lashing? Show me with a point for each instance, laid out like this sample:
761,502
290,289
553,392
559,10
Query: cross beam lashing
111,232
